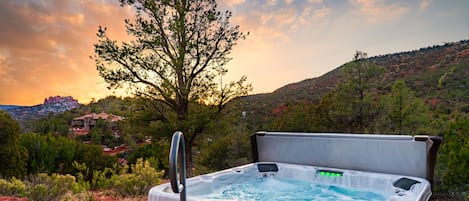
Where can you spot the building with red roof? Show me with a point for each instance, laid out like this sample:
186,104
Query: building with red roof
83,124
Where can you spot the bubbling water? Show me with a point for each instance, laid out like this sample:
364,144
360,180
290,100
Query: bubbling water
277,189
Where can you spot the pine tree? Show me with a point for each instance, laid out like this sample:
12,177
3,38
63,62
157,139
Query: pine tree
406,113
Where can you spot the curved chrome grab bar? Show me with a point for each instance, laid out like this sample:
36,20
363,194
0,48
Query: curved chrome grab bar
178,148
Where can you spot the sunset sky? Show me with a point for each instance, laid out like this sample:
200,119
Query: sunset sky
45,45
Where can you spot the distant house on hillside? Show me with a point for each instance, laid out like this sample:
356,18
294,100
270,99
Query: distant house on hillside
83,124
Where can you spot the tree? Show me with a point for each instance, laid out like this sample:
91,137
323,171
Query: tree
355,94
406,113
176,58
453,159
228,146
151,151
298,118
51,154
352,106
54,124
101,134
12,155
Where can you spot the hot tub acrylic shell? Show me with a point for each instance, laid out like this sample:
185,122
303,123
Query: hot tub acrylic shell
383,184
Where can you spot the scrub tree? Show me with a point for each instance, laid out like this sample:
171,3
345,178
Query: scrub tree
13,156
176,59
406,113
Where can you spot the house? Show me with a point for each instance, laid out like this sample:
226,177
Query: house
83,124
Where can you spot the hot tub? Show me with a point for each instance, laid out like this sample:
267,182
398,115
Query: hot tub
280,181
320,166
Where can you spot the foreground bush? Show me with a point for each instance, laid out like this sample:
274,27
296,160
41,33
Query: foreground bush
40,187
14,187
134,182
43,187
139,181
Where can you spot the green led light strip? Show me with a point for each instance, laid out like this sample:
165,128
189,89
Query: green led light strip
328,173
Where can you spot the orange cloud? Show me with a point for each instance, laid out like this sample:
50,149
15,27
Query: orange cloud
231,3
45,45
376,11
45,48
276,20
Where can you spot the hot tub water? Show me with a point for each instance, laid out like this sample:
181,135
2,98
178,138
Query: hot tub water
271,188
262,182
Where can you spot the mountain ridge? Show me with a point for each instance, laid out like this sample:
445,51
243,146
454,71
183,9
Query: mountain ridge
436,73
56,104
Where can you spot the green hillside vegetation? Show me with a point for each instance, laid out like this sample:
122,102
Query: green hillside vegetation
437,75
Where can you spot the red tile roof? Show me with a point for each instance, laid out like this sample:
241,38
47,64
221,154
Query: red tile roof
102,115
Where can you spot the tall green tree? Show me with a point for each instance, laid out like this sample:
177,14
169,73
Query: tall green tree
352,106
12,155
355,93
177,57
406,113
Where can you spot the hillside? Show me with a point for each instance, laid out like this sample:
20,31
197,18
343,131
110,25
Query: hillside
55,104
9,107
438,74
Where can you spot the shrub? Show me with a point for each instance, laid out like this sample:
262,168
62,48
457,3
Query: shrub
139,181
101,179
83,171
14,187
50,154
43,187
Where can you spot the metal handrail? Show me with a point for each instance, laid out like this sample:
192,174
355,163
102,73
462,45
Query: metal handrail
178,148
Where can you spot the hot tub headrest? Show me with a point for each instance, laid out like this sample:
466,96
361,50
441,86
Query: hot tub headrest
405,183
267,167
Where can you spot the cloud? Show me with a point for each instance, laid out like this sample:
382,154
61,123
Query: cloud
424,4
231,3
321,13
377,11
276,20
45,45
45,48
4,68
